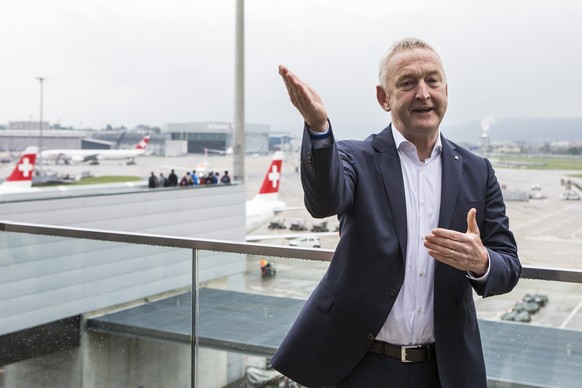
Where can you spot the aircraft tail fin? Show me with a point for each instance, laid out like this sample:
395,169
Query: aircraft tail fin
265,203
22,173
272,180
143,144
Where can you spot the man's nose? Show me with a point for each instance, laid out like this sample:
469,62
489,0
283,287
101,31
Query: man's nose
422,91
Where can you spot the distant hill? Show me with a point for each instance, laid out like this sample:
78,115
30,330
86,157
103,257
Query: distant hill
531,130
518,129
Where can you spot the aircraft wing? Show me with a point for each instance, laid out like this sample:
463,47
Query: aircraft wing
289,209
88,158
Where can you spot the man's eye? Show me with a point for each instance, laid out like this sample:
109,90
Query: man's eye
406,84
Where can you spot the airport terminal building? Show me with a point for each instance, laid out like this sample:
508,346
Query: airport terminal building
19,139
217,136
173,139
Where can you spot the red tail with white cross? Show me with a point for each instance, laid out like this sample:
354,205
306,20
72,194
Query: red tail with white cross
143,144
22,174
273,176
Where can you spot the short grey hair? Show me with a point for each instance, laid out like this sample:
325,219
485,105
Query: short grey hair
401,45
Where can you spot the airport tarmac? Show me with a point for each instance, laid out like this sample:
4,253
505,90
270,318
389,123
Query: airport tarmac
548,231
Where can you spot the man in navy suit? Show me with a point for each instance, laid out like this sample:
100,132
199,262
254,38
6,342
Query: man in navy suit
422,224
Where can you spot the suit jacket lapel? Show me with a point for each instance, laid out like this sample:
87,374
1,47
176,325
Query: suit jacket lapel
451,182
388,163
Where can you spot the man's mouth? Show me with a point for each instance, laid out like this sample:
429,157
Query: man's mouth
423,110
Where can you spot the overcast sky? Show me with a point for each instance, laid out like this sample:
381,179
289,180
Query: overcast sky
129,62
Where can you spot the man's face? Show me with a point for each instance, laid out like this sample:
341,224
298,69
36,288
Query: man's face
415,92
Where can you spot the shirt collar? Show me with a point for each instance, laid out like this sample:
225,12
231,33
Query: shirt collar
405,145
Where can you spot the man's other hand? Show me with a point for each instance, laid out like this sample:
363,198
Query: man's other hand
464,251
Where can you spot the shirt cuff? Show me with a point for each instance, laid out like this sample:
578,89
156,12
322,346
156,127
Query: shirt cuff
481,279
321,139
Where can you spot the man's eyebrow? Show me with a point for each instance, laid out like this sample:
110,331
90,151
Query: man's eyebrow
408,74
435,72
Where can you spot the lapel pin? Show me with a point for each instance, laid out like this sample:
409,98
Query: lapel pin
456,157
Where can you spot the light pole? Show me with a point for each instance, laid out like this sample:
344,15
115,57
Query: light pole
239,96
41,80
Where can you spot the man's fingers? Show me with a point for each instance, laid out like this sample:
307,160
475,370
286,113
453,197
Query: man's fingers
462,251
306,100
285,74
295,87
472,226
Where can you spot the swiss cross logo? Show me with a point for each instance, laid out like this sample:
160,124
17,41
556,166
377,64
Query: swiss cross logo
274,176
25,167
142,145
272,179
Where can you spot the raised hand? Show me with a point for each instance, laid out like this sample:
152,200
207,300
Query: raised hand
306,100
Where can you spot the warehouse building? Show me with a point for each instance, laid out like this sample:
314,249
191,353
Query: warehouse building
217,136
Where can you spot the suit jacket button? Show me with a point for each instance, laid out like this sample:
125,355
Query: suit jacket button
394,293
371,336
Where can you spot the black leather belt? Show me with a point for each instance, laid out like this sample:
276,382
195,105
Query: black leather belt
413,353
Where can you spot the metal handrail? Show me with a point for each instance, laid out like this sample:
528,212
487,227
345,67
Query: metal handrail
528,272
167,241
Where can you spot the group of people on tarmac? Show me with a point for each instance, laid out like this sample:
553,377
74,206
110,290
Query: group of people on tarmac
189,179
162,181
212,178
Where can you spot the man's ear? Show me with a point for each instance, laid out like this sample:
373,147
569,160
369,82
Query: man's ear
382,98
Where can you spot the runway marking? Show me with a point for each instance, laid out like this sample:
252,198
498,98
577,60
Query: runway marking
257,288
552,239
546,216
571,315
575,234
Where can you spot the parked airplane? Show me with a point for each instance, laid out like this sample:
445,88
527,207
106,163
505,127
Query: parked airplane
259,210
94,156
18,185
21,177
266,203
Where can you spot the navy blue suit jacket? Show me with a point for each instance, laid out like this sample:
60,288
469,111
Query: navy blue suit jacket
361,182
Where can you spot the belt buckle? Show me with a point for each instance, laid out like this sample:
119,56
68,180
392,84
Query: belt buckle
403,352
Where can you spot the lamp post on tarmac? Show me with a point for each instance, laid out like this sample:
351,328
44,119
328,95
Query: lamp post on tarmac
239,96
39,158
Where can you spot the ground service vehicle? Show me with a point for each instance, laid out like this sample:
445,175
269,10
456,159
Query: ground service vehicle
306,242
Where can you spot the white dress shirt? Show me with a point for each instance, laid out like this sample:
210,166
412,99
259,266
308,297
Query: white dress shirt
410,321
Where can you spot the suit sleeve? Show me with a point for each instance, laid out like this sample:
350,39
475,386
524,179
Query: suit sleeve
327,177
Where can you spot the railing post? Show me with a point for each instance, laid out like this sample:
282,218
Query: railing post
195,304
